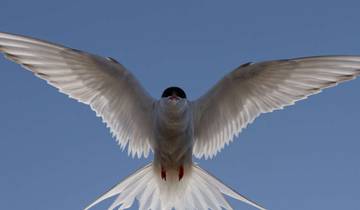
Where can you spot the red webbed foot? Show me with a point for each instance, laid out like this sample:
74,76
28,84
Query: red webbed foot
163,173
181,172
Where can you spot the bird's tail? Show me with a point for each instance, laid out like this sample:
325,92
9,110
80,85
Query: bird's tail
196,190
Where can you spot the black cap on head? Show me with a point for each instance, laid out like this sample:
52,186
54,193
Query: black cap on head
173,90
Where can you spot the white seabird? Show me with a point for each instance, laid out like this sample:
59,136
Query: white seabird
174,128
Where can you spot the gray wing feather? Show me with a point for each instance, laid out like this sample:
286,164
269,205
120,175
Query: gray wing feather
245,93
110,90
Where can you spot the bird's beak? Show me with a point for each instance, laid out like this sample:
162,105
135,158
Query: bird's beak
174,98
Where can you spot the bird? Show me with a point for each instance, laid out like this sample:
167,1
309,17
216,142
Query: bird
172,127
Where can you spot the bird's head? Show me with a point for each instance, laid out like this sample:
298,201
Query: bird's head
173,95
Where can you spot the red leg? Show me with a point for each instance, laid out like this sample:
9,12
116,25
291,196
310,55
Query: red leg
181,172
163,173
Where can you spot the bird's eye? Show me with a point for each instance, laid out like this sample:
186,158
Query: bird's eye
166,94
181,94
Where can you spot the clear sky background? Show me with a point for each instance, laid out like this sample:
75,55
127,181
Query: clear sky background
56,155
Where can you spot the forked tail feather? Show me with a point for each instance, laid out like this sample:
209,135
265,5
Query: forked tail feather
198,190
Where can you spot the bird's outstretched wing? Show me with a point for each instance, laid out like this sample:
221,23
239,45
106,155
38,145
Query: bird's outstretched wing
252,89
110,90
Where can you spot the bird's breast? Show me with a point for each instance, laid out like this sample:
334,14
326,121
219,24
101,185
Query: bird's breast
174,137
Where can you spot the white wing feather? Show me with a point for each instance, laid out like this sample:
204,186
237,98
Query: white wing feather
110,90
252,89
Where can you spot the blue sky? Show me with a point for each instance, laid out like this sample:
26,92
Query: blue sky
55,154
